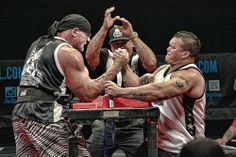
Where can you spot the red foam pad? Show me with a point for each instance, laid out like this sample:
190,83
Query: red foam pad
103,102
85,105
99,102
124,102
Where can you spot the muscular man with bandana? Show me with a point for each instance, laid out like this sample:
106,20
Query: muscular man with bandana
54,67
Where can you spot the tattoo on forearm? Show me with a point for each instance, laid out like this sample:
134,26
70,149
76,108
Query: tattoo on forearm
228,135
181,81
147,80
139,96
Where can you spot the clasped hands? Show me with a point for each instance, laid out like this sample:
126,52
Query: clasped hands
120,57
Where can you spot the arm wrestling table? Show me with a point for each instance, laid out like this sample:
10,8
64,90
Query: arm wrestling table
151,113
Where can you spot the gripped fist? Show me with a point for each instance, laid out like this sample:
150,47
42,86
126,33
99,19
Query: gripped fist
121,57
112,89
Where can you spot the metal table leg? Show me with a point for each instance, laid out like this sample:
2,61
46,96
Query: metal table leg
152,139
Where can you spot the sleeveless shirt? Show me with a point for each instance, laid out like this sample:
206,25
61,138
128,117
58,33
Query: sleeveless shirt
42,71
181,117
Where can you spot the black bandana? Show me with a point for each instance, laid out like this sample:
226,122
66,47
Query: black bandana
68,22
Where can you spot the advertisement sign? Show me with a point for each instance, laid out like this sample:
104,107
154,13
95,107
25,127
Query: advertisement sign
220,74
10,73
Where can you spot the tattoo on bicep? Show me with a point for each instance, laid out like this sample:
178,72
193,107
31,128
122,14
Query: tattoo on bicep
146,80
181,81
179,84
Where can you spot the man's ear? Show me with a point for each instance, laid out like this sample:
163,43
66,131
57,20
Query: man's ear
75,32
187,54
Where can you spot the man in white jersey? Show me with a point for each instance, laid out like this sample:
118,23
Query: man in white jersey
178,89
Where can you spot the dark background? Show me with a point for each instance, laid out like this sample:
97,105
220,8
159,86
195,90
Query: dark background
214,21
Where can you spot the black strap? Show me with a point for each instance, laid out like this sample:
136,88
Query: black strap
30,94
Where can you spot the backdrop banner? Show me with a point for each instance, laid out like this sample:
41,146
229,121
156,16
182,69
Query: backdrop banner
220,74
219,71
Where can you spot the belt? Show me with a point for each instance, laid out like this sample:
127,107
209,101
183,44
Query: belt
33,94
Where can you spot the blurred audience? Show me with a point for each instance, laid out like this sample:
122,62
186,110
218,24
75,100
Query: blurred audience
202,147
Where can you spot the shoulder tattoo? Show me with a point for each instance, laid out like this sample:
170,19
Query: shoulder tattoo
181,82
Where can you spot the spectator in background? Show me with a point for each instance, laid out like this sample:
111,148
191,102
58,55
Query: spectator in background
128,133
202,147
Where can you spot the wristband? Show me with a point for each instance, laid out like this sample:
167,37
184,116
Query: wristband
134,35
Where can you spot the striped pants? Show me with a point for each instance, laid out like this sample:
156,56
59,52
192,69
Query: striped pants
35,139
